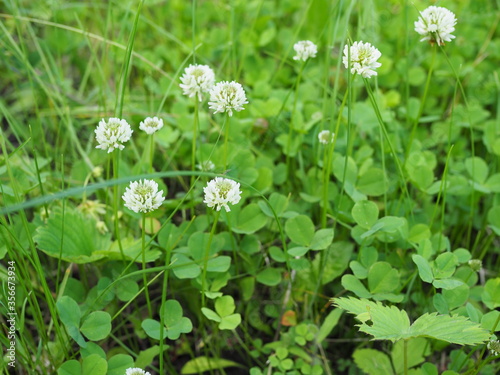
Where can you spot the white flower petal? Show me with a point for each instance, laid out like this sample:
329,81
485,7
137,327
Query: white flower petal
143,196
436,25
325,137
112,134
221,191
305,49
196,80
226,97
363,59
151,125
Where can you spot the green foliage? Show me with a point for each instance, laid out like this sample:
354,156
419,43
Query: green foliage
174,322
202,364
224,313
95,326
392,210
390,323
72,237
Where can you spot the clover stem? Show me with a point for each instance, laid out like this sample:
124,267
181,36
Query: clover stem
193,151
205,259
226,137
151,152
422,105
163,299
290,129
116,163
143,251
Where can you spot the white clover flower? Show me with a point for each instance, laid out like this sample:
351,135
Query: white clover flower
136,371
196,80
305,49
221,191
207,165
226,96
143,196
112,134
363,59
326,137
151,125
494,347
436,25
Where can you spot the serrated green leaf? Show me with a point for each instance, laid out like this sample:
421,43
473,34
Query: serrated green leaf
454,329
390,323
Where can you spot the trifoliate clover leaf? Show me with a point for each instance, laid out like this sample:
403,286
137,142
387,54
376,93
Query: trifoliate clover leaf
174,322
223,314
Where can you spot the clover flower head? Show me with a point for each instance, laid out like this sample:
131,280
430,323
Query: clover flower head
112,134
136,371
363,59
475,264
196,80
151,124
221,191
436,25
143,196
206,165
305,49
97,171
494,347
226,97
326,137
